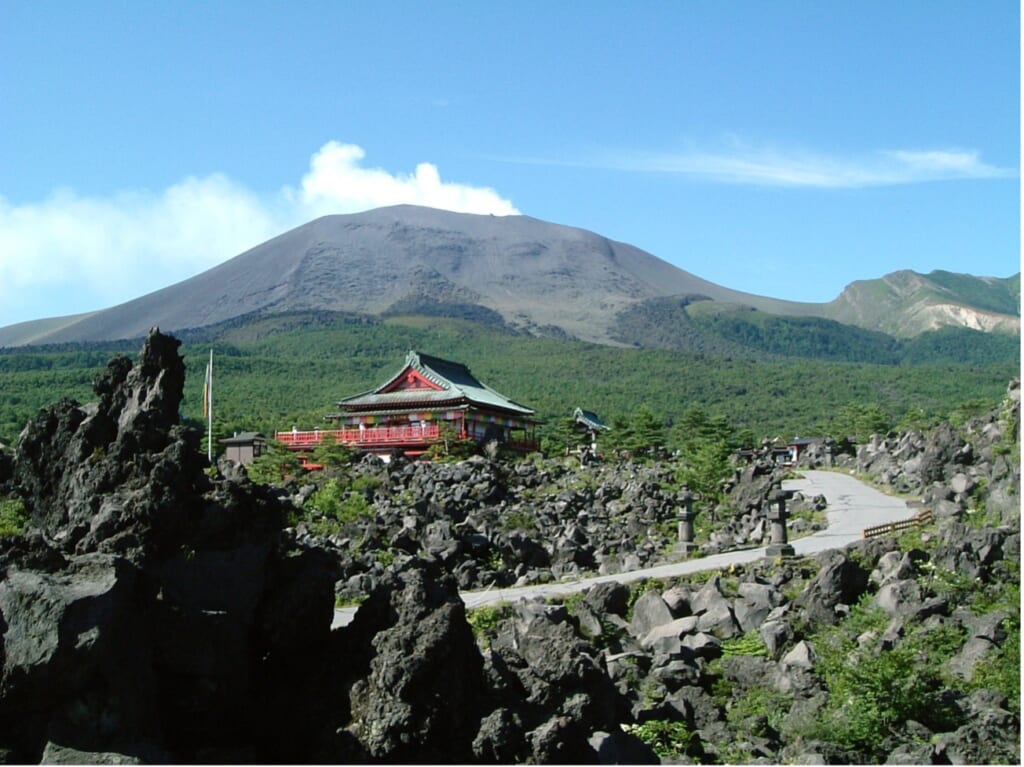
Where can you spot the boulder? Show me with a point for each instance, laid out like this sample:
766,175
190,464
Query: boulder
422,698
719,620
840,581
962,484
894,566
618,747
609,597
754,603
776,635
983,738
676,672
801,656
985,633
703,645
667,638
555,681
678,600
73,640
904,598
649,611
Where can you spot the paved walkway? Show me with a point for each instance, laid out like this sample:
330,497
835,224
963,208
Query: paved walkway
852,506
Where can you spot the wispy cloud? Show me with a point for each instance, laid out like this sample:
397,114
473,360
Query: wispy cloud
759,166
118,247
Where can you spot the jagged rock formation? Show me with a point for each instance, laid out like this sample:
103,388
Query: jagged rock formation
144,605
159,612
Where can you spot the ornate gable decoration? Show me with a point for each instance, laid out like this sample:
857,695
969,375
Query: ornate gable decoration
409,380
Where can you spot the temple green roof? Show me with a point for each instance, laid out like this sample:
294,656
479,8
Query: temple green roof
456,384
589,420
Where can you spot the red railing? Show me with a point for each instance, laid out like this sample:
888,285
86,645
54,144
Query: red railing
380,436
370,436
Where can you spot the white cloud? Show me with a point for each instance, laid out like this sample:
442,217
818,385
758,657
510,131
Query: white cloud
336,183
758,166
112,249
106,246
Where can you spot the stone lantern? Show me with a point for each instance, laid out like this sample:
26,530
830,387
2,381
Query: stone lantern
687,515
777,515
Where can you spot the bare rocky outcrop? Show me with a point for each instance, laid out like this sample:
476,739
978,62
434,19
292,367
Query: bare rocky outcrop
158,610
147,597
494,523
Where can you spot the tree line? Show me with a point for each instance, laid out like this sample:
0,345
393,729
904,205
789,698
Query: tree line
277,379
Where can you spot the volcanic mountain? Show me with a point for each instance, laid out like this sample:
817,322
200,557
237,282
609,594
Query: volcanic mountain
526,274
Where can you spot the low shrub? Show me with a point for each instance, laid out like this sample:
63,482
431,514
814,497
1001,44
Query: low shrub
668,739
484,620
13,518
874,691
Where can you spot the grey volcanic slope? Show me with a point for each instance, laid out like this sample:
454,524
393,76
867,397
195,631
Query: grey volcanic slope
533,273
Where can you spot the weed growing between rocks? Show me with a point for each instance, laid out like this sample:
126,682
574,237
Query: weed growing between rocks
484,620
13,518
668,739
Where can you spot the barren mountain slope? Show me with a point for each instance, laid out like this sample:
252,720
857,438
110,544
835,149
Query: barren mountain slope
533,273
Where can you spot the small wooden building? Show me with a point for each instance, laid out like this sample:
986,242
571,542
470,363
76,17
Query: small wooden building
244,447
799,445
588,422
426,402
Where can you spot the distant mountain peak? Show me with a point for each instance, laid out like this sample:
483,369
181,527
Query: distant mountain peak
906,303
530,275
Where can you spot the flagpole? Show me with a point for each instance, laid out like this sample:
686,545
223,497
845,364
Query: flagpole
209,410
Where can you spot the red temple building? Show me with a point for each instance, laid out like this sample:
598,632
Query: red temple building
427,401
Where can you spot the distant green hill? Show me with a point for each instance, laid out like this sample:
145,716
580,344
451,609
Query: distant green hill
272,373
701,326
905,303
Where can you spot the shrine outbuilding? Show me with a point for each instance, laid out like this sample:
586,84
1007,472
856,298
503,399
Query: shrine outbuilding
244,447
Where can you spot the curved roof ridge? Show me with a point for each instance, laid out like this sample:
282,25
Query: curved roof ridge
415,359
453,378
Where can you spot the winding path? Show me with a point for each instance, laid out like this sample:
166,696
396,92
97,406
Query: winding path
852,506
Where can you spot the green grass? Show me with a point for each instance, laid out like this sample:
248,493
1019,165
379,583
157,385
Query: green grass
748,644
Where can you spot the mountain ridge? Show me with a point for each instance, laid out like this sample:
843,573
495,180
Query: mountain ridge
536,276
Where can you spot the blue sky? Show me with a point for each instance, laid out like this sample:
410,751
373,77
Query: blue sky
782,148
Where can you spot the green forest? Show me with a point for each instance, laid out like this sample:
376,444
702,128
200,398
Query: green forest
273,373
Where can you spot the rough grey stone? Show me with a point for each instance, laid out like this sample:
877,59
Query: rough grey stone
678,600
719,620
703,645
618,747
649,611
801,656
667,639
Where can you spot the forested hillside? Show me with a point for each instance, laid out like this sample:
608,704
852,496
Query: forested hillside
289,370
